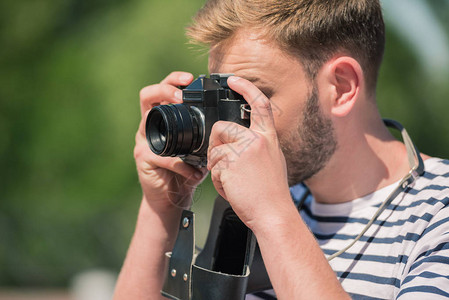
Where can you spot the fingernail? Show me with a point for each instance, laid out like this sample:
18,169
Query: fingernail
233,78
198,175
178,95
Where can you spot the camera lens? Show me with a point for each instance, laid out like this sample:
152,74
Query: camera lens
173,130
158,132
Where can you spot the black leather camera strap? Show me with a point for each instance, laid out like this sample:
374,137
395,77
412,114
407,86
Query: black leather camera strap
228,267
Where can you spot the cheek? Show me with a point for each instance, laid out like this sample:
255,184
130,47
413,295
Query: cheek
287,115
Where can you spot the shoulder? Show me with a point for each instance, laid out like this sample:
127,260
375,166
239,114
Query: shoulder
436,170
433,186
428,199
427,264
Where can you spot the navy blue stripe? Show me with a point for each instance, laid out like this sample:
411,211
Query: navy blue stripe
429,201
433,187
263,295
426,274
399,223
330,219
435,225
431,176
431,259
442,246
363,297
377,240
341,219
424,289
412,218
370,278
400,238
368,257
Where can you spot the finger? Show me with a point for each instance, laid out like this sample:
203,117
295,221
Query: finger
221,157
141,135
261,112
224,132
216,180
178,78
164,92
157,94
148,161
176,165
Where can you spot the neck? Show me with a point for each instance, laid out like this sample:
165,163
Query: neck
368,158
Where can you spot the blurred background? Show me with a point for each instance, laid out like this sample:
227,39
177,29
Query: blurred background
70,75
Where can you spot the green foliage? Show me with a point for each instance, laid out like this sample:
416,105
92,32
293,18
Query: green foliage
405,93
70,73
69,81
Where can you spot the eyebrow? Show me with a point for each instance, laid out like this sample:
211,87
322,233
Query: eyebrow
253,79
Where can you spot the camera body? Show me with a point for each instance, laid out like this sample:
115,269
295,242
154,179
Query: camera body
183,129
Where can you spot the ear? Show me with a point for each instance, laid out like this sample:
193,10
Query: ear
344,77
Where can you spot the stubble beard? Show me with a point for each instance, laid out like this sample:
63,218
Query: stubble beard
309,147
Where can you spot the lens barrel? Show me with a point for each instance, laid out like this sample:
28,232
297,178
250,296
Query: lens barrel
173,130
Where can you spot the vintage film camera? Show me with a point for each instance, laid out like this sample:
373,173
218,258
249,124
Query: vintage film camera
183,129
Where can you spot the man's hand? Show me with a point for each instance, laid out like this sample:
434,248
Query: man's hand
247,164
167,182
248,169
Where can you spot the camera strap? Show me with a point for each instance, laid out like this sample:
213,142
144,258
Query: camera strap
229,266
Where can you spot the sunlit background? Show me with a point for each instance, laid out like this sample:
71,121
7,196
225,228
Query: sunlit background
70,74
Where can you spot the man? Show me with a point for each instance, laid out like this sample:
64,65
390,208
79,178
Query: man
308,69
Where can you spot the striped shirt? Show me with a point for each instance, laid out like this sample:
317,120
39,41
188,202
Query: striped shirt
403,255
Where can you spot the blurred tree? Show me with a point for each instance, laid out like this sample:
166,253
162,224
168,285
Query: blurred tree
69,81
407,93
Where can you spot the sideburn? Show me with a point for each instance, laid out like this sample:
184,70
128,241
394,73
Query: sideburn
310,147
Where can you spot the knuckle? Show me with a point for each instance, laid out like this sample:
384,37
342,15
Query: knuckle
214,131
141,147
263,101
213,154
142,93
137,151
217,125
261,142
140,137
172,164
147,91
215,174
173,74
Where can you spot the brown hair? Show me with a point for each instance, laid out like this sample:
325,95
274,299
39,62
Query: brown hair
314,30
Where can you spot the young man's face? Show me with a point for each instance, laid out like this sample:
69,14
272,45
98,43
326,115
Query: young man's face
305,134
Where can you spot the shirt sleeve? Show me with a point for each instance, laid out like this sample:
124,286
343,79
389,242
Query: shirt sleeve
428,271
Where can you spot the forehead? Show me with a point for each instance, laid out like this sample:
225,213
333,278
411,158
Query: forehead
249,55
